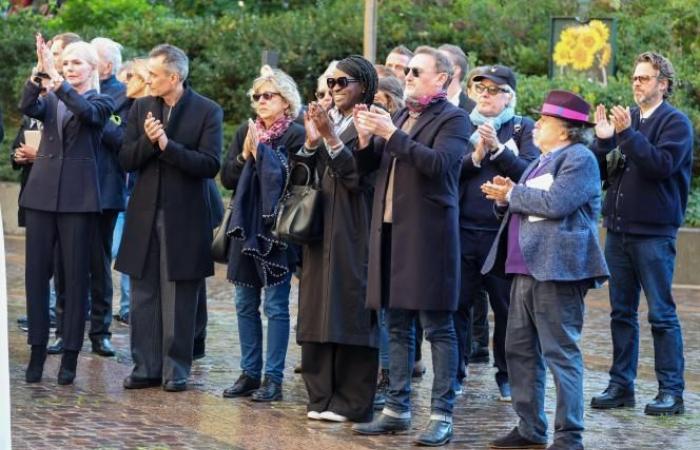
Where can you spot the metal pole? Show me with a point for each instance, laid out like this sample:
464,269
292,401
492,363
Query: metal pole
370,34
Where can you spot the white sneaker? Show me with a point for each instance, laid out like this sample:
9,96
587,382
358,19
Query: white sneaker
332,417
313,415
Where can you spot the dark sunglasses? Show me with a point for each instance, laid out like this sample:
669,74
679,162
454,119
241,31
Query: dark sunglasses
492,90
342,82
266,95
320,95
415,71
643,78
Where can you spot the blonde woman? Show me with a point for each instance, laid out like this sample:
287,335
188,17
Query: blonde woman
62,196
255,160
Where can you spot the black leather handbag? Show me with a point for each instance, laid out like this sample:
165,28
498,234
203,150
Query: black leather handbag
300,211
220,243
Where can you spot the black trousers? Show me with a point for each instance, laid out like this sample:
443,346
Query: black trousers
475,245
480,322
340,378
70,235
101,291
162,316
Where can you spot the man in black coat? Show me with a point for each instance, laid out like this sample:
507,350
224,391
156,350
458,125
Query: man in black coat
173,141
414,237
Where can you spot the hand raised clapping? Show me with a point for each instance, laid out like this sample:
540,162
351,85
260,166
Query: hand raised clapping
498,189
607,125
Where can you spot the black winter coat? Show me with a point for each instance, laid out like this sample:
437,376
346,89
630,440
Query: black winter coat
334,270
174,180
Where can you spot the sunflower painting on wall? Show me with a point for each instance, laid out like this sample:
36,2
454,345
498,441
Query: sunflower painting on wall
585,48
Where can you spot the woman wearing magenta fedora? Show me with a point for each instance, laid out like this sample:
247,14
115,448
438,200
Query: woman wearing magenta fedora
548,243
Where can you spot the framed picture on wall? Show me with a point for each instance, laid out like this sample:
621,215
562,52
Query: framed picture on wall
583,48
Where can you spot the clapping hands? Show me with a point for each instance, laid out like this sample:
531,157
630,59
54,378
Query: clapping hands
607,125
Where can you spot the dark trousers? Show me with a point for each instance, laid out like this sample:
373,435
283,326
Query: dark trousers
71,234
162,316
475,245
480,322
201,316
101,275
340,378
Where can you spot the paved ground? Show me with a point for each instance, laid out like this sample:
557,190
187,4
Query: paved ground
96,413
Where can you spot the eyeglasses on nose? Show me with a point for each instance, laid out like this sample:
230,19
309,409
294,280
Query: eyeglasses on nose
415,71
265,95
642,78
492,90
320,95
342,82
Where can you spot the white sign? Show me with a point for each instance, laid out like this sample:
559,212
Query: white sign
5,440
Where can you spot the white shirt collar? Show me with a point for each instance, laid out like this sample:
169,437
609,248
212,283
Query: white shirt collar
455,98
649,112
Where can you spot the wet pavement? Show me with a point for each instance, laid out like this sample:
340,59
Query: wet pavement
96,413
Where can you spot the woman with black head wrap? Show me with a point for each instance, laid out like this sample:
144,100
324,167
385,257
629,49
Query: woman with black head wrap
338,336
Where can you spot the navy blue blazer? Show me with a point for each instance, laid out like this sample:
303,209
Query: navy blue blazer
64,176
564,246
112,176
174,180
425,230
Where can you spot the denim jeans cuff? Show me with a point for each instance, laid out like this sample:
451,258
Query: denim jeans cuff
397,415
438,415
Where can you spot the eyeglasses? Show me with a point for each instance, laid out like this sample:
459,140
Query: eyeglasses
643,79
415,71
320,95
266,95
492,90
342,82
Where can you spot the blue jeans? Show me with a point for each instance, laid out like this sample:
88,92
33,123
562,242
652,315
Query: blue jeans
644,262
124,284
440,332
383,341
545,319
276,309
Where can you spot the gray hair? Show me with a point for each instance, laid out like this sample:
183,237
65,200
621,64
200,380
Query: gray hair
513,96
578,134
108,51
174,59
321,81
284,84
459,58
442,62
663,65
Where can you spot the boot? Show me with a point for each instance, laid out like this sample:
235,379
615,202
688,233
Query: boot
69,363
35,369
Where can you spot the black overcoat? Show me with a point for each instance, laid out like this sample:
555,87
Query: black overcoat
334,270
174,180
425,229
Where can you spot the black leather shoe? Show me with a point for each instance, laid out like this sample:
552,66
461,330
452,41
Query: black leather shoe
613,397
269,391
56,348
437,433
69,364
102,347
243,387
175,386
665,405
382,424
198,350
35,369
132,382
515,440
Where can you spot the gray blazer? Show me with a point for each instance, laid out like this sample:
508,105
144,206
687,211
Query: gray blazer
564,246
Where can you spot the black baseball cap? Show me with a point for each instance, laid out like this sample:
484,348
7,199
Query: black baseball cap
498,74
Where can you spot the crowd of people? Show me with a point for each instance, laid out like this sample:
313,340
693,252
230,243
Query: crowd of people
438,200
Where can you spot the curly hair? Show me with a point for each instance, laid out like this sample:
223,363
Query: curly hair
663,65
284,84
